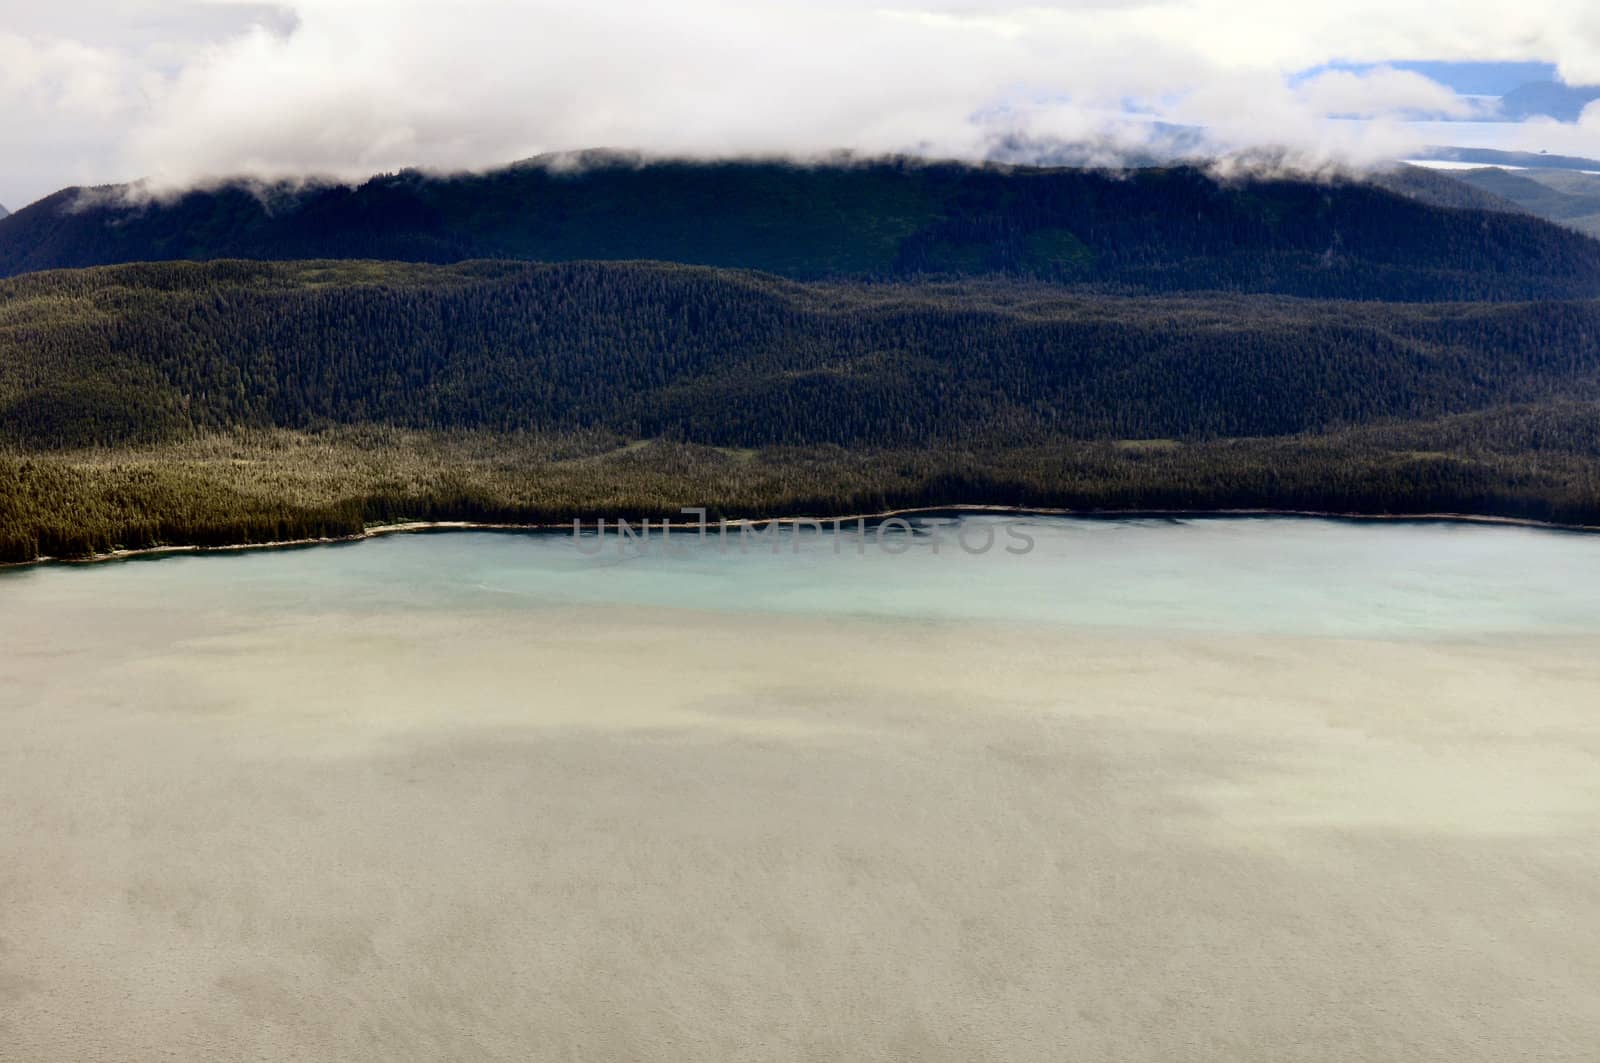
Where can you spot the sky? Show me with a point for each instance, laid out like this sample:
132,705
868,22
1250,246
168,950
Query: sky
182,91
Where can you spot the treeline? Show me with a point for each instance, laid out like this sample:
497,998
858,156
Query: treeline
150,353
1146,230
267,486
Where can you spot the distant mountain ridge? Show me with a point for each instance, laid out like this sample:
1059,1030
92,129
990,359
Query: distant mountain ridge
1548,99
3,211
1148,230
1523,160
1567,197
1446,188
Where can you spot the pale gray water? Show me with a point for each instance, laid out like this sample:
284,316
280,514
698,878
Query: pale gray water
1213,790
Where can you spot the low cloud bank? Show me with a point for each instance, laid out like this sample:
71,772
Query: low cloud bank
344,88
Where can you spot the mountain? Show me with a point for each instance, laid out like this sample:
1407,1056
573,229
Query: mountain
1567,197
1560,189
228,402
1548,99
1521,160
728,358
1151,230
1444,188
3,211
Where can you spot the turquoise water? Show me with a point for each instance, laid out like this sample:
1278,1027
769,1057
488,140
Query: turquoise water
1223,575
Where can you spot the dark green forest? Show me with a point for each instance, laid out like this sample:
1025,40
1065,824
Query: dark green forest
246,401
156,352
1141,231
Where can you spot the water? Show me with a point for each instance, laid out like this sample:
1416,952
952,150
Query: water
1261,576
1215,790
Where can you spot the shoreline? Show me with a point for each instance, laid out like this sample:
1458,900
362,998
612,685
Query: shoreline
414,527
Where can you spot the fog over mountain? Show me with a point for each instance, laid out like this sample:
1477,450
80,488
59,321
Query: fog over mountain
177,91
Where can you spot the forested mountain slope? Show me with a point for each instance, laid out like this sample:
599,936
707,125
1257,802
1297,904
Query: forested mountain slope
1151,230
237,402
157,352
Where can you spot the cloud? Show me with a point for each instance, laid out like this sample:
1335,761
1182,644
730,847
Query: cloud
61,102
59,77
76,77
362,86
182,90
1383,93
